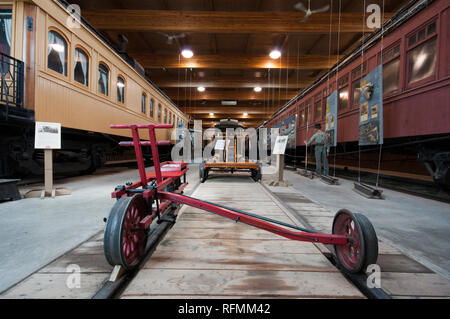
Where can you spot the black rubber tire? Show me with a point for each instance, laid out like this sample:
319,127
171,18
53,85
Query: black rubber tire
112,240
361,261
370,241
203,173
201,170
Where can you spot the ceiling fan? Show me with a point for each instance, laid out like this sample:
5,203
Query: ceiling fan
170,37
301,7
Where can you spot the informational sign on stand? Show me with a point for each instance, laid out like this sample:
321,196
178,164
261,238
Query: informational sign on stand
331,119
371,108
47,136
220,145
280,144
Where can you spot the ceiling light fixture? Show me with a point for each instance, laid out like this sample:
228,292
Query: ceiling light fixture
211,114
257,89
245,114
275,54
201,89
186,53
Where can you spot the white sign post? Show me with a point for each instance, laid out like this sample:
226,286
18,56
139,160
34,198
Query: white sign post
279,149
48,137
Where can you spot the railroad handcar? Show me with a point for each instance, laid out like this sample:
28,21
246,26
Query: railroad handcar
413,49
56,68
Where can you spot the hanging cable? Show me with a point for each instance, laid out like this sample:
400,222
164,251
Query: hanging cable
362,69
337,76
381,63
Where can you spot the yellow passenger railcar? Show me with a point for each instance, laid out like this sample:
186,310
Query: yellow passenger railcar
55,68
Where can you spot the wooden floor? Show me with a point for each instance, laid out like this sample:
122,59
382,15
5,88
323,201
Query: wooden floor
401,276
208,256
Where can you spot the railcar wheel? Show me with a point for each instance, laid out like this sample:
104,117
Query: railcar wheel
124,242
351,256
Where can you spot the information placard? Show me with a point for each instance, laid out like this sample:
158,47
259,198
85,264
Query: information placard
331,119
280,144
220,145
47,135
371,108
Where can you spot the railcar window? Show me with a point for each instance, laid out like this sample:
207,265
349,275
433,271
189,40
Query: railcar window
412,40
318,106
391,73
120,90
103,79
431,28
302,117
343,98
170,117
421,35
173,119
165,116
81,67
5,31
152,102
422,61
308,112
159,112
355,86
57,53
144,103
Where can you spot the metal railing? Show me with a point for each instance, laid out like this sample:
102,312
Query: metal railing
12,81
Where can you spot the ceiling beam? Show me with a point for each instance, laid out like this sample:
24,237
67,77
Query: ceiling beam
230,110
241,117
229,61
193,95
230,82
223,21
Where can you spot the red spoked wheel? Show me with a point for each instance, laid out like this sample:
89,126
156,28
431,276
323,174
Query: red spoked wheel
124,240
361,249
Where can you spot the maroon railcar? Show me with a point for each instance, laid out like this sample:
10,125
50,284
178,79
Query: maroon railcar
413,48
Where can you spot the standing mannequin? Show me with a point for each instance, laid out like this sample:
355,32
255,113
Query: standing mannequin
321,153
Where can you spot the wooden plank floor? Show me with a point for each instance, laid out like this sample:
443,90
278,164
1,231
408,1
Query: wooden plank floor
208,256
401,276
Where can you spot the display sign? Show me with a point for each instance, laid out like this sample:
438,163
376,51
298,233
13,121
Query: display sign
371,108
280,145
220,145
47,135
331,120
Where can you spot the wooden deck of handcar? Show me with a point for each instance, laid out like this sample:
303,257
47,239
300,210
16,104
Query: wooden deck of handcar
208,256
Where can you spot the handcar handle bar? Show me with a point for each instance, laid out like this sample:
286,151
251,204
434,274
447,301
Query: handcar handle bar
145,143
137,147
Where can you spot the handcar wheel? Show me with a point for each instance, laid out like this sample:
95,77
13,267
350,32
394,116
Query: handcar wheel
351,256
259,173
370,241
201,171
124,242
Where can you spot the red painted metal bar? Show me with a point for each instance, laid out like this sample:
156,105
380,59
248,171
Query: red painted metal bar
145,143
252,221
155,154
139,157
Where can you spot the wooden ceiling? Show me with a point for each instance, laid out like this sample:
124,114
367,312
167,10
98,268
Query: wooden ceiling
231,41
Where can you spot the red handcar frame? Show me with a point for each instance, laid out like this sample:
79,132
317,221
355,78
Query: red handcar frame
353,237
